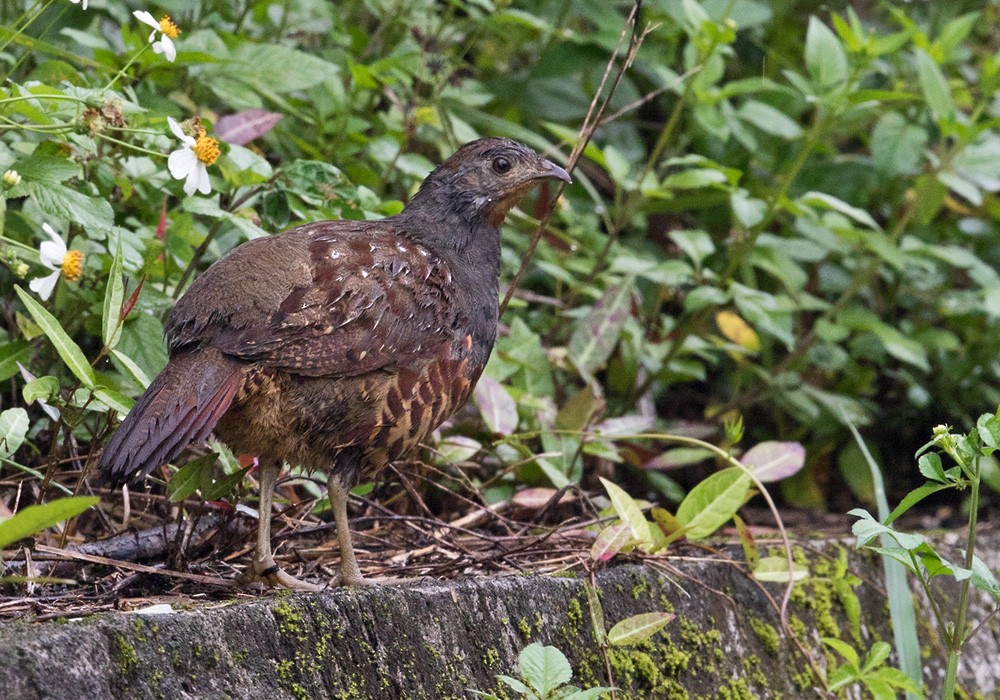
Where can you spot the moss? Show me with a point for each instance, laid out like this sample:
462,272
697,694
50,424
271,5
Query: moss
124,653
767,635
290,620
524,627
736,690
640,589
574,613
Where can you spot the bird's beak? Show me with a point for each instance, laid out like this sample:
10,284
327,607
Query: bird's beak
549,170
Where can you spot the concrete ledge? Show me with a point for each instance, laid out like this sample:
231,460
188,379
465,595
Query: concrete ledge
436,641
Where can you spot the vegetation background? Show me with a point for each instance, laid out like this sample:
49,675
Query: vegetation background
789,213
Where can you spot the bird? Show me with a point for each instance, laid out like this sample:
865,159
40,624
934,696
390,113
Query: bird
337,346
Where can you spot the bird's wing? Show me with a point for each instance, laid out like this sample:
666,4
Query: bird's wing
332,299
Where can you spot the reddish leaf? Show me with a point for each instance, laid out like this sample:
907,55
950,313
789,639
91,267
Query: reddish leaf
610,541
130,304
773,461
497,406
161,226
243,127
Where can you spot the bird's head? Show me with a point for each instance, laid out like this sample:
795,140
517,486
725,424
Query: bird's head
484,179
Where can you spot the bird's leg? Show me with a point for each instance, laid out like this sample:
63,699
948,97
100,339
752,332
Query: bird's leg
350,573
264,567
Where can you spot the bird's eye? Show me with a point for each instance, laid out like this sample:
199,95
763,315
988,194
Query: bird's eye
501,165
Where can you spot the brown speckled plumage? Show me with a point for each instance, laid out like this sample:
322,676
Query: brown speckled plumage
338,345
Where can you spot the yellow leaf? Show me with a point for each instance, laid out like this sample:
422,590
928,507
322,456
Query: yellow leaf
737,330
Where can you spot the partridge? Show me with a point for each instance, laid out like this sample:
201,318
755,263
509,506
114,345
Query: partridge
338,345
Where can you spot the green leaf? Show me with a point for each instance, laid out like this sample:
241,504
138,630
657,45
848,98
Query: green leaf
844,649
770,120
713,502
60,201
638,628
775,570
694,179
897,146
274,68
34,519
988,427
68,350
930,466
629,512
830,202
13,428
935,88
825,57
42,388
188,478
544,668
10,355
133,370
914,497
113,295
876,656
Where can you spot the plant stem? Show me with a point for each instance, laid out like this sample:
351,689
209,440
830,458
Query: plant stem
958,632
132,60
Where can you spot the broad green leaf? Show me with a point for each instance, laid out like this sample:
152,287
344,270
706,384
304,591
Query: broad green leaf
113,399
830,202
57,200
914,497
825,56
133,370
68,350
629,512
544,668
113,296
713,502
188,478
935,88
988,427
694,179
42,388
930,466
13,428
775,570
10,355
897,145
696,244
770,120
844,649
638,628
34,519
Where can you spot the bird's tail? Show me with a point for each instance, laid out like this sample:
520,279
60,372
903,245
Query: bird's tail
181,406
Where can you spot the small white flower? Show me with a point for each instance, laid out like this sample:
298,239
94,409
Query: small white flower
77,2
55,256
190,162
168,32
11,178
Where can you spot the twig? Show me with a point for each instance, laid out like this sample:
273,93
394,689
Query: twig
590,124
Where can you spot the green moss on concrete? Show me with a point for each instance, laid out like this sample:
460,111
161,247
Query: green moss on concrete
766,634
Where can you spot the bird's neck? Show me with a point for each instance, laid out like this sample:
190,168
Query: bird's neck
470,246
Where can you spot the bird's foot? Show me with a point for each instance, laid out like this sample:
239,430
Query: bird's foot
274,576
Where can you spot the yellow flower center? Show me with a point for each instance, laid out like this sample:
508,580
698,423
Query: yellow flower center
72,266
207,149
168,27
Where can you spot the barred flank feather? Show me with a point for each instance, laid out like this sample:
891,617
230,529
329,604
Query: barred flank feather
181,406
